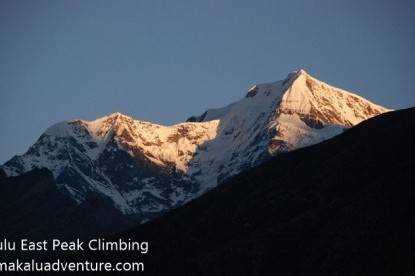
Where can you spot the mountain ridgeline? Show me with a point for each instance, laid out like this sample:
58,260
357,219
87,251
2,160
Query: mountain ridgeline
146,169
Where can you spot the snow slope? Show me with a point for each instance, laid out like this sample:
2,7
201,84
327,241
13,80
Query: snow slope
147,169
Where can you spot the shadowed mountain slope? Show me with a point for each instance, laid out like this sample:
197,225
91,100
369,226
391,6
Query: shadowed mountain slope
33,208
341,207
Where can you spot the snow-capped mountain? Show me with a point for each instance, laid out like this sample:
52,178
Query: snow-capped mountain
147,169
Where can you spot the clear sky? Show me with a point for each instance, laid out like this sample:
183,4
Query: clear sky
163,61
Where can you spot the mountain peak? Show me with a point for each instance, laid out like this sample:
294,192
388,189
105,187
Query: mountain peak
289,80
318,103
116,115
146,168
293,76
297,72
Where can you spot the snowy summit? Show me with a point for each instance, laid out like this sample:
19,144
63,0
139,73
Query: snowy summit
147,169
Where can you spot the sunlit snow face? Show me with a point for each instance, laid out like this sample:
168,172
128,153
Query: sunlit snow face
145,167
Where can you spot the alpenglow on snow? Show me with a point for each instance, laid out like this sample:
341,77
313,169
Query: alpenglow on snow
146,169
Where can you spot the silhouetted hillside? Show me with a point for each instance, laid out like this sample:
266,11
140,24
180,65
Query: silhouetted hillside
342,207
32,207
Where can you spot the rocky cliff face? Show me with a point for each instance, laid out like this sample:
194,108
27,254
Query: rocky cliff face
147,169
